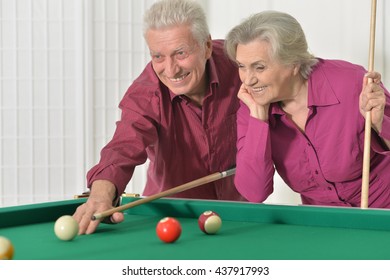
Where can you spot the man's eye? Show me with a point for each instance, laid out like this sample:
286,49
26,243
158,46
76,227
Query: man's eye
181,54
157,58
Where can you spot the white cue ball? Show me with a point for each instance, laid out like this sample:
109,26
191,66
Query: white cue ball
66,228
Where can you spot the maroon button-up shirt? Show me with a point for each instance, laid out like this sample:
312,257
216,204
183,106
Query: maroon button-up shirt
181,141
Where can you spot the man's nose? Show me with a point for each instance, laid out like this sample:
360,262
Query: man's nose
171,67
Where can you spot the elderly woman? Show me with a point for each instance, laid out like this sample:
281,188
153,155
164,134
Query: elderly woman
304,116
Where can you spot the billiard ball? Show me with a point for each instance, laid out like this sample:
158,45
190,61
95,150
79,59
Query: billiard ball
6,249
66,228
168,229
209,222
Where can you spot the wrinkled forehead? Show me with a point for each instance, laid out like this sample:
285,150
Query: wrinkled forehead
257,48
170,41
172,38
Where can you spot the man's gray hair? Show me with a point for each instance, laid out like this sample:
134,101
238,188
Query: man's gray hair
168,13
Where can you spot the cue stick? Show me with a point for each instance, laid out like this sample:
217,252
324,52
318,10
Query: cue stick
198,182
367,128
87,194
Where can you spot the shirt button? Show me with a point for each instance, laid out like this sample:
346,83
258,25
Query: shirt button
316,172
329,188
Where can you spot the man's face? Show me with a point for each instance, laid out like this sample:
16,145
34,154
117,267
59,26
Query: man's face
178,60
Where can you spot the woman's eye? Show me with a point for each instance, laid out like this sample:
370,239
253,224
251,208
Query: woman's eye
260,68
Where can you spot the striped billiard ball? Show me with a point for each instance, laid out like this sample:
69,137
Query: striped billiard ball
209,222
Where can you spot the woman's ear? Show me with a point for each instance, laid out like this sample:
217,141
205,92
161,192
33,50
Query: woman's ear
297,67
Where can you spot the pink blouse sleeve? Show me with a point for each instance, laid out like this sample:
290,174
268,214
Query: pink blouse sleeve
254,165
385,133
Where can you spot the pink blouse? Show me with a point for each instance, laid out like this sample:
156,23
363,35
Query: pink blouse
324,164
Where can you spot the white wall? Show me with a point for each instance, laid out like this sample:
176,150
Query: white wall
41,99
65,64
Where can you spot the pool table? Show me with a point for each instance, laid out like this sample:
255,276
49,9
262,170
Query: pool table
249,232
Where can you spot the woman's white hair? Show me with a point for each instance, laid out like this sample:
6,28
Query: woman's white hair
283,33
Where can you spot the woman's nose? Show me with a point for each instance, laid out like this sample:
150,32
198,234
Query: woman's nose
250,79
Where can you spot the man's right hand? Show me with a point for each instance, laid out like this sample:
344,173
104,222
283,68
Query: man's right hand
101,198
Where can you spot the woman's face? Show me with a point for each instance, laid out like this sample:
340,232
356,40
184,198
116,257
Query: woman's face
266,79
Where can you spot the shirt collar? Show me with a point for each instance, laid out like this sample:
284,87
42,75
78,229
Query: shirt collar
320,92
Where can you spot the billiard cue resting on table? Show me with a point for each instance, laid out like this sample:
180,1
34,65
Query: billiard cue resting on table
367,127
87,194
198,182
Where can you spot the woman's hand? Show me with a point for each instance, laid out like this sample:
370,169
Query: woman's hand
253,101
372,98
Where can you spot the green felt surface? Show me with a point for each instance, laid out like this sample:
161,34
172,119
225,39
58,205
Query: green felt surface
249,231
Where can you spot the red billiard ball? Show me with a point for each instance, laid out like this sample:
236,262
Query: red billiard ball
209,222
6,249
168,229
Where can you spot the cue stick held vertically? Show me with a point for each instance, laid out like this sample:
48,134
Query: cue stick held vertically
198,182
367,131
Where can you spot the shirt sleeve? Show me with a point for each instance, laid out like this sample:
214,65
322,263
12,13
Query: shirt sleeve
254,170
135,131
385,133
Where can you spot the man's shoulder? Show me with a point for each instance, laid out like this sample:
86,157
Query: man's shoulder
218,42
147,80
218,46
146,85
223,65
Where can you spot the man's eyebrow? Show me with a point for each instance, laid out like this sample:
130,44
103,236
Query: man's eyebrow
153,52
174,51
182,47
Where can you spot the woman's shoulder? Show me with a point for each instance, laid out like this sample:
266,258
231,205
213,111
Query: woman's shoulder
339,65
